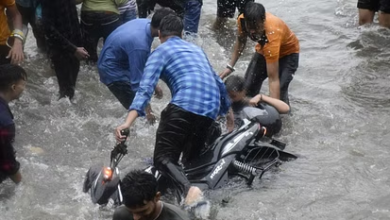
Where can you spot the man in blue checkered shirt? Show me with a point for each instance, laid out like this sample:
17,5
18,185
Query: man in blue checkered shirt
198,97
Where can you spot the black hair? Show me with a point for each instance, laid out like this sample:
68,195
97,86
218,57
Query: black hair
171,25
138,186
10,74
235,84
159,15
253,13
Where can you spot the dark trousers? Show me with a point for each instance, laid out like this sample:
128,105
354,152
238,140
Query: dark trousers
256,73
179,132
67,67
96,25
4,50
28,16
123,92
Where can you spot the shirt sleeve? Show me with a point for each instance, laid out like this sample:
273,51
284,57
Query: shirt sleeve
50,29
224,98
8,163
153,69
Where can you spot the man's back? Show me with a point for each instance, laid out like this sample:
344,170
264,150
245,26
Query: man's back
186,70
125,48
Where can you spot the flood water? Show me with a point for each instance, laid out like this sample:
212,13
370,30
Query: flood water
339,127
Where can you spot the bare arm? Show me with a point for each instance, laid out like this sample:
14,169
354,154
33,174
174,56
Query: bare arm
16,53
239,46
281,106
14,14
273,77
230,120
133,114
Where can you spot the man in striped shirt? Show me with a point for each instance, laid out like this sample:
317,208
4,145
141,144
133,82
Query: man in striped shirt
198,97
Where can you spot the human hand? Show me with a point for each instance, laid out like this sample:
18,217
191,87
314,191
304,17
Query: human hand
81,53
225,73
194,195
158,93
16,53
255,100
151,118
118,132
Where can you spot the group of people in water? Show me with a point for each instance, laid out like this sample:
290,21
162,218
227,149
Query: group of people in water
131,72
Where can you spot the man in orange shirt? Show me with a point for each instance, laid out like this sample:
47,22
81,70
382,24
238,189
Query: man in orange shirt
277,52
11,43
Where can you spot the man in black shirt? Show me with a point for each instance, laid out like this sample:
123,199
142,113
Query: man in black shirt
142,200
62,29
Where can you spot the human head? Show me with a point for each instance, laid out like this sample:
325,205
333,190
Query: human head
171,25
235,86
159,15
254,14
140,194
12,81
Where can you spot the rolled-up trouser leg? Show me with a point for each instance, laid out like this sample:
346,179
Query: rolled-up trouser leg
287,67
178,129
255,74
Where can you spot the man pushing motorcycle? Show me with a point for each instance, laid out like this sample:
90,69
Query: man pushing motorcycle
198,97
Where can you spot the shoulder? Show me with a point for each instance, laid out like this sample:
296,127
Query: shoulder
7,3
272,21
171,212
5,116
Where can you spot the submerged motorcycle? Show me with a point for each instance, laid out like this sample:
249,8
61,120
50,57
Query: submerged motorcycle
241,152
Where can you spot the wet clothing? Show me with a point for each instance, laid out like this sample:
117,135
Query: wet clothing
168,212
227,8
4,29
256,73
103,5
192,13
123,92
179,131
67,68
99,18
128,11
278,44
96,25
198,96
123,58
27,8
375,5
8,163
186,70
280,40
63,37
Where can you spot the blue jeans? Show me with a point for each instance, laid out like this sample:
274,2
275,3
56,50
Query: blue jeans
192,11
128,15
